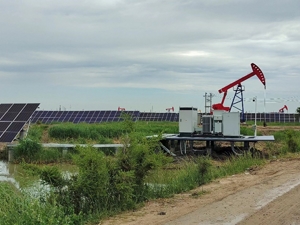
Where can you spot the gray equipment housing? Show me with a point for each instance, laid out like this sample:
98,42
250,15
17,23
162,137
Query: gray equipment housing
220,123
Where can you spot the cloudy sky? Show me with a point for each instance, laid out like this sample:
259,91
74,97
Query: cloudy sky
148,55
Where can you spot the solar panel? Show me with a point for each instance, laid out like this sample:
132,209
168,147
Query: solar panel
13,118
3,109
15,126
4,125
51,116
13,112
35,116
8,136
100,116
23,116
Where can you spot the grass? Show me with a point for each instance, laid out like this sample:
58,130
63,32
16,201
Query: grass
103,133
186,176
17,208
161,182
31,150
259,123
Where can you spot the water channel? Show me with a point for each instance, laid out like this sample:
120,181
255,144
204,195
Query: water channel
30,184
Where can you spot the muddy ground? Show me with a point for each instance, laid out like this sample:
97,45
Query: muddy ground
266,195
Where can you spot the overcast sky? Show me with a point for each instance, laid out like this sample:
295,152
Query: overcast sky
148,55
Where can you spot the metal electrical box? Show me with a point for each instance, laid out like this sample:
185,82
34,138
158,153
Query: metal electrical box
217,127
188,120
218,118
231,124
207,124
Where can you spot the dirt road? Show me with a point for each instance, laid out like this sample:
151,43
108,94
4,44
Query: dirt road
268,195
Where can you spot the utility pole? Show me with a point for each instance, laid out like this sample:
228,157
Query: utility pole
208,102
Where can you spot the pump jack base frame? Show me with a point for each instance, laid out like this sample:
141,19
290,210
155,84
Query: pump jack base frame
186,144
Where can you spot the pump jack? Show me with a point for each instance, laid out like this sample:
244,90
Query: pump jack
238,96
121,109
170,109
283,108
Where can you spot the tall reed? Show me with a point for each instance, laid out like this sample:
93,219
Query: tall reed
17,208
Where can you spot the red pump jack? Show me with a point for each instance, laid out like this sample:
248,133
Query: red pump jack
283,108
238,97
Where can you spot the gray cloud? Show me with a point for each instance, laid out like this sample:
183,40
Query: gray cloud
175,46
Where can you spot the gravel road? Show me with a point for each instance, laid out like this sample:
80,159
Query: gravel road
268,195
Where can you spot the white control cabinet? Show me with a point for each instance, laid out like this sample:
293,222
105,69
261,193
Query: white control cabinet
231,124
188,120
218,117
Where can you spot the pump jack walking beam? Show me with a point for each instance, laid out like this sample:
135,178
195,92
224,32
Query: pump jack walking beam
239,90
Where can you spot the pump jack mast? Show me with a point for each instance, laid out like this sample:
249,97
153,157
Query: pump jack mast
239,91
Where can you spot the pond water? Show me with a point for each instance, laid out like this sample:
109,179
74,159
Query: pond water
7,173
29,184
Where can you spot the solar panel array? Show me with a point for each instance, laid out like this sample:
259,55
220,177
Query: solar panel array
13,117
150,116
98,116
273,117
81,116
109,116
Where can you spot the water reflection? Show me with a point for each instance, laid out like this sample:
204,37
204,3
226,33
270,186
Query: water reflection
33,186
29,184
7,173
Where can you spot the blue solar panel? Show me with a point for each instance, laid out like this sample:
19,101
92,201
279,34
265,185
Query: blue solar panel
103,116
4,108
15,126
13,118
4,126
8,136
93,120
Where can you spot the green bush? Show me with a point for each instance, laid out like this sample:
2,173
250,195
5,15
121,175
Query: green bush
31,151
35,133
290,140
139,155
104,183
27,149
92,179
95,132
17,208
280,135
86,131
52,176
293,141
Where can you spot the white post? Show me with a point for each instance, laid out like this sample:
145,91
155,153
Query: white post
11,154
64,151
255,100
